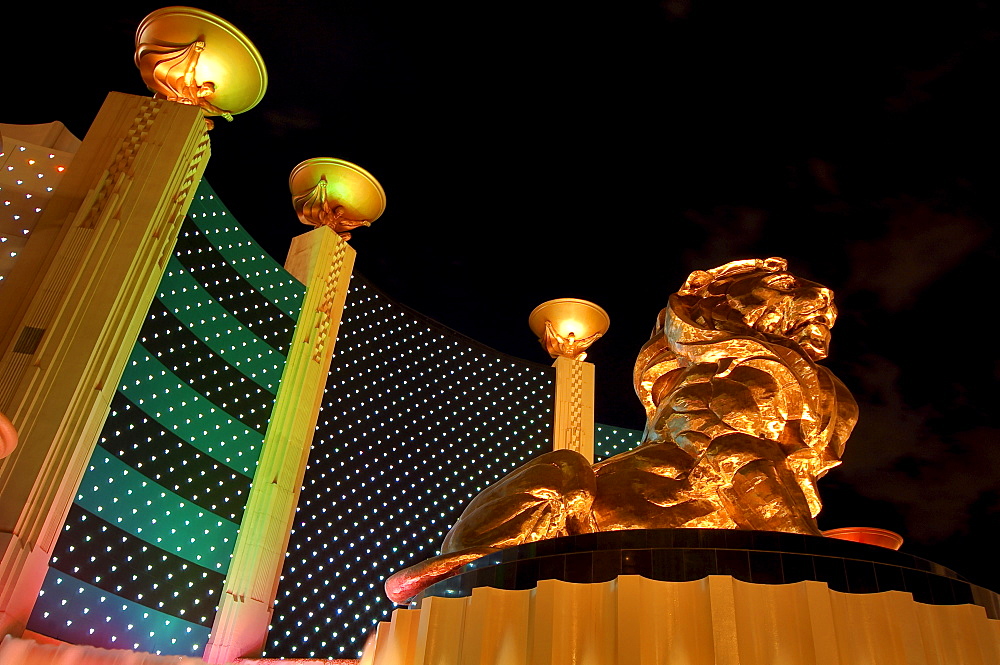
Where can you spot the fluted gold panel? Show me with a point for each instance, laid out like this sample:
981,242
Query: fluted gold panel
714,621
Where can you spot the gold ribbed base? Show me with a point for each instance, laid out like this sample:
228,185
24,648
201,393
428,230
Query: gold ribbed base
714,621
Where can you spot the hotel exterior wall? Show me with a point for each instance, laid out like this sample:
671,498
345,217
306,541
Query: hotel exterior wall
142,558
33,159
73,305
417,420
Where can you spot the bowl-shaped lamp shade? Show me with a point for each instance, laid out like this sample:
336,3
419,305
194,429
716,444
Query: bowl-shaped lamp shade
570,319
165,51
347,185
867,535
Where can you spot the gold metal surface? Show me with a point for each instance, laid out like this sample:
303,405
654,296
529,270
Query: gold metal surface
741,423
191,56
335,193
548,497
568,326
718,620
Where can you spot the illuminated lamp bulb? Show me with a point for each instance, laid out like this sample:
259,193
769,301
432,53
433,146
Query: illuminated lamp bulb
568,326
335,193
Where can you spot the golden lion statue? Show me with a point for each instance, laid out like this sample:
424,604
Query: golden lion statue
741,423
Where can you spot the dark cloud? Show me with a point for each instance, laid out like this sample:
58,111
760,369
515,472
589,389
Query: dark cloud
937,484
916,87
920,246
731,232
287,120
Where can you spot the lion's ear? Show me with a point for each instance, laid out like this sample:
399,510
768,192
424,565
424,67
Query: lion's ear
775,264
661,322
695,281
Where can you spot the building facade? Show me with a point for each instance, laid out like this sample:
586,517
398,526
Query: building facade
416,420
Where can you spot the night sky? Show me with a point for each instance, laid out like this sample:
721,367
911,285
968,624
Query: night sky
605,150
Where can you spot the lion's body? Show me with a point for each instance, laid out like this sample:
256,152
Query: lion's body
735,400
741,422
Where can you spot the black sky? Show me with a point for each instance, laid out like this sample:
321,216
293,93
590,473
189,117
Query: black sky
605,150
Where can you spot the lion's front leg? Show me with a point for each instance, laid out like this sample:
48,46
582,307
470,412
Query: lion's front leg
757,488
548,497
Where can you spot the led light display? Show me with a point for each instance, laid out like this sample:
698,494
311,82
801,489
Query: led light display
29,175
148,541
417,419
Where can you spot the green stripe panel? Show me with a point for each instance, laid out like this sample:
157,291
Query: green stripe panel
124,497
69,609
181,410
265,274
218,329
610,441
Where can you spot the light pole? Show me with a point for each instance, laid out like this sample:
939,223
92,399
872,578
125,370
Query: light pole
566,327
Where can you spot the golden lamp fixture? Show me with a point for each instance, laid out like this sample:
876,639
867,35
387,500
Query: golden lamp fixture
741,423
335,193
566,327
190,56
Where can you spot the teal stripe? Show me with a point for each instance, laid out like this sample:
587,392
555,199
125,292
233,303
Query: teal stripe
610,441
243,253
181,410
80,613
220,331
134,503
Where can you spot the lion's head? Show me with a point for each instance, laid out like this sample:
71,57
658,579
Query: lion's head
733,359
760,298
717,312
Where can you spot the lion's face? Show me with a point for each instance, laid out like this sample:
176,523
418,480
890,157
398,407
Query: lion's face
779,304
751,298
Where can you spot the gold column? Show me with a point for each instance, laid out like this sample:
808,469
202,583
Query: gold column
74,302
574,413
566,327
322,260
72,308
